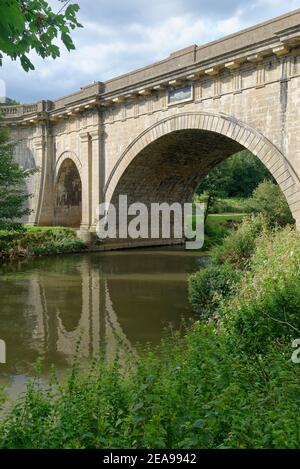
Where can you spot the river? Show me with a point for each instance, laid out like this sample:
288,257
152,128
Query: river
47,304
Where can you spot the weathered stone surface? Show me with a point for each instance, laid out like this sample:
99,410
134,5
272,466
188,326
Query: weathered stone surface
124,136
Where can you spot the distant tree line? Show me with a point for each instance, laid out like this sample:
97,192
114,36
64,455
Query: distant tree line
9,102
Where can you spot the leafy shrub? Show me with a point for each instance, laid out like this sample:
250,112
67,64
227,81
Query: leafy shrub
269,199
238,247
39,241
208,287
267,305
10,226
215,232
193,392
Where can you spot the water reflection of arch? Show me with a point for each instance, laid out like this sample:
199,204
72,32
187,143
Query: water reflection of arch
115,336
149,292
94,320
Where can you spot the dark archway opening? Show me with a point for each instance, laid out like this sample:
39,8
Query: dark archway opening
68,196
170,169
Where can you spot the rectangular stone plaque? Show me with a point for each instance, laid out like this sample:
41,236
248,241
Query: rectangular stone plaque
185,93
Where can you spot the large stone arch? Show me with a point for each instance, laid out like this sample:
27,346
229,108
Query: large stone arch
243,136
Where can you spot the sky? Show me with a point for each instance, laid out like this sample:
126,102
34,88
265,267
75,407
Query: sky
121,35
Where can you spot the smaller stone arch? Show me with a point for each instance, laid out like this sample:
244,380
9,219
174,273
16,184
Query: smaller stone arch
67,192
67,154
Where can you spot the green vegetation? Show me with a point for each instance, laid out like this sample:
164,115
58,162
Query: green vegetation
9,102
15,239
238,247
269,199
37,241
217,227
226,382
236,177
13,196
226,205
27,26
265,309
208,287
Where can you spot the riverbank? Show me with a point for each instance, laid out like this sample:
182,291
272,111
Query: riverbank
226,382
38,241
218,226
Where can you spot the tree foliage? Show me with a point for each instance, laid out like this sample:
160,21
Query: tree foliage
13,196
269,199
9,102
32,25
237,176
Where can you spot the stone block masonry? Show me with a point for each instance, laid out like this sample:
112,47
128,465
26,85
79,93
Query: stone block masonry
154,133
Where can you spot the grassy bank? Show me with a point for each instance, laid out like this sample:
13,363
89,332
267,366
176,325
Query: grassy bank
226,382
226,205
231,205
218,226
37,241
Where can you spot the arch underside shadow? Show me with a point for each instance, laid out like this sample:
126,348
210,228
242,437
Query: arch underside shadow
170,169
167,162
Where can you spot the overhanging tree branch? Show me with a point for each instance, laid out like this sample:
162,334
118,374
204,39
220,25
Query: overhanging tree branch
32,25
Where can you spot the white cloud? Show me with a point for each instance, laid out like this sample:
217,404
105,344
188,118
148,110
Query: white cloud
230,25
116,39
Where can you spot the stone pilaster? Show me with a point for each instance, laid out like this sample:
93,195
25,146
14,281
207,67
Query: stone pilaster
261,74
258,60
198,90
98,172
46,212
42,183
217,87
86,180
237,81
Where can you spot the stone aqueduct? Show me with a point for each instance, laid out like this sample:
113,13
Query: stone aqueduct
154,133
